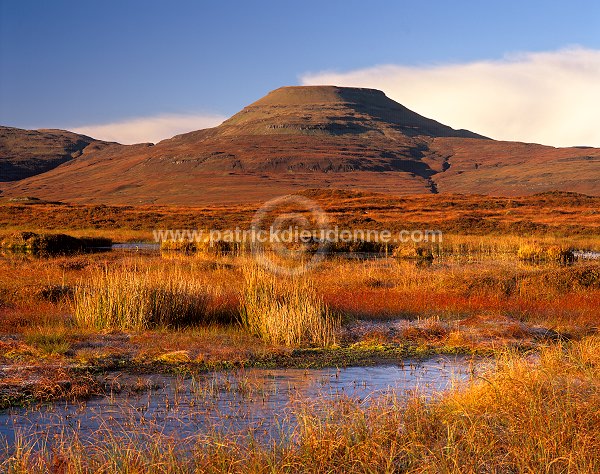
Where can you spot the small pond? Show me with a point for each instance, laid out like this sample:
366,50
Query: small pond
257,401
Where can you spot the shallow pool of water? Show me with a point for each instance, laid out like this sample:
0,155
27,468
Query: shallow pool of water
259,401
587,254
137,246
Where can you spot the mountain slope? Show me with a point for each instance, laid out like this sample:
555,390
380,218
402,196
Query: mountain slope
513,168
314,137
25,153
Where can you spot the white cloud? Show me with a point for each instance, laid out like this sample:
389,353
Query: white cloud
149,129
549,97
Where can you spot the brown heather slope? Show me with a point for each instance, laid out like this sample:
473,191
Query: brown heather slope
315,137
544,215
513,168
25,153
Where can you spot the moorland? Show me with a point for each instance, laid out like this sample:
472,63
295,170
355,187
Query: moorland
515,280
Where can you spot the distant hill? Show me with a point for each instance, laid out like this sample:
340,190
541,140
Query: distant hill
314,137
25,153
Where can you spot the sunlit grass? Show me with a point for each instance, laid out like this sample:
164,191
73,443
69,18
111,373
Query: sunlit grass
285,311
130,298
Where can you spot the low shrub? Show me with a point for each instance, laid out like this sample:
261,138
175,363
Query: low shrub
30,242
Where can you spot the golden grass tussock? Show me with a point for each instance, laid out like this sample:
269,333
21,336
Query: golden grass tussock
531,415
285,311
128,298
537,253
538,249
413,252
205,246
185,246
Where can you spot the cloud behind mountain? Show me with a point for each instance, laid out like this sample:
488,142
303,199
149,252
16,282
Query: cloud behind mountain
149,129
540,97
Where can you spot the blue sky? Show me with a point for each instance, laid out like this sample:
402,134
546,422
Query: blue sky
78,63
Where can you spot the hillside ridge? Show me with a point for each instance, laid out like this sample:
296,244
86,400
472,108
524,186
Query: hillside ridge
314,137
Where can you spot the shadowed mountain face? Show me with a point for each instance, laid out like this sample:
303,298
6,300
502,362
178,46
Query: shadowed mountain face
315,137
25,153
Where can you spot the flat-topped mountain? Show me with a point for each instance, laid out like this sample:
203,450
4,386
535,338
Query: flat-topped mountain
313,128
314,137
333,111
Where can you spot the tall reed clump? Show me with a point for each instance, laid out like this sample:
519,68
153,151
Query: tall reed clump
286,311
132,299
540,254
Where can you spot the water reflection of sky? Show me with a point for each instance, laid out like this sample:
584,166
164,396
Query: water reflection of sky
257,400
